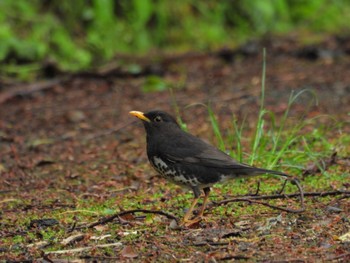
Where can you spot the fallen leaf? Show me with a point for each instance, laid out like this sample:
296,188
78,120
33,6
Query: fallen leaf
43,162
71,239
129,252
316,167
345,237
100,228
2,168
38,142
76,116
173,225
43,223
39,245
100,237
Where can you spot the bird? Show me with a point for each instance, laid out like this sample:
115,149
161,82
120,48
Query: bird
189,161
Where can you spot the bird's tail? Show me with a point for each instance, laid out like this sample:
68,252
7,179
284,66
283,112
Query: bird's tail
256,171
266,171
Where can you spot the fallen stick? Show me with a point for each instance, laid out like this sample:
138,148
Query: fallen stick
253,199
249,199
283,196
108,219
81,249
22,90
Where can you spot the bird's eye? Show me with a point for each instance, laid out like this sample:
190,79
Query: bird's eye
158,119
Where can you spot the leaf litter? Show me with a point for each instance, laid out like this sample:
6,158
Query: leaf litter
71,157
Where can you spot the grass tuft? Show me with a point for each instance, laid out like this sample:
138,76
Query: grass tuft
278,142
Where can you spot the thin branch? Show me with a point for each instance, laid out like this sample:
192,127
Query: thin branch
283,187
71,239
249,199
206,243
92,136
265,204
339,257
320,165
107,132
22,90
253,199
257,189
108,219
81,249
284,196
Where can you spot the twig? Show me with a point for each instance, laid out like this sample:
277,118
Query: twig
112,217
81,249
230,257
107,132
341,256
99,258
265,204
249,199
252,199
14,233
284,196
293,180
323,164
257,189
72,228
283,187
46,257
26,89
71,239
93,136
9,200
206,243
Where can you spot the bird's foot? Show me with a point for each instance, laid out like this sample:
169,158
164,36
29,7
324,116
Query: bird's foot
190,222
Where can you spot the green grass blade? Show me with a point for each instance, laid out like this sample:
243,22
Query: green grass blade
216,129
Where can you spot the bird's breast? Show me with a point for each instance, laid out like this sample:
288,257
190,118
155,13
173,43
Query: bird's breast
162,167
173,172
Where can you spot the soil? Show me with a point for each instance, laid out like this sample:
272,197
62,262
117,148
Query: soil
75,140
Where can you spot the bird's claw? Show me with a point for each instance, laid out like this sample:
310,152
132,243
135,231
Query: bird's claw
190,222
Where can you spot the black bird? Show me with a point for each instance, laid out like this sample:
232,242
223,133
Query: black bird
187,160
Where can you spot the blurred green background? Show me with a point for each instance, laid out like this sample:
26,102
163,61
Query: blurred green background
74,35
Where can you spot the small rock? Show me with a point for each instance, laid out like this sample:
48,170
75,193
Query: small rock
76,116
43,223
345,238
173,225
333,209
129,252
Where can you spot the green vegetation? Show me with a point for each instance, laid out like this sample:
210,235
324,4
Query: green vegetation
169,198
75,35
277,143
280,143
94,185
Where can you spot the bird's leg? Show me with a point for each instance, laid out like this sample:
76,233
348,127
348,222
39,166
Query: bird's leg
186,220
206,191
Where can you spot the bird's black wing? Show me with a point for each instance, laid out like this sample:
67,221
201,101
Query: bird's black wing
194,151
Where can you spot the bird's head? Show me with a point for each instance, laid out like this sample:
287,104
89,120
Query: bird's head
155,121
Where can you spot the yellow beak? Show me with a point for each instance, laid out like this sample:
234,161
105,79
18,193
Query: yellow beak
140,115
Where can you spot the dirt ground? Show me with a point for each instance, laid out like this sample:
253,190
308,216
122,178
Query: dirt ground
75,142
